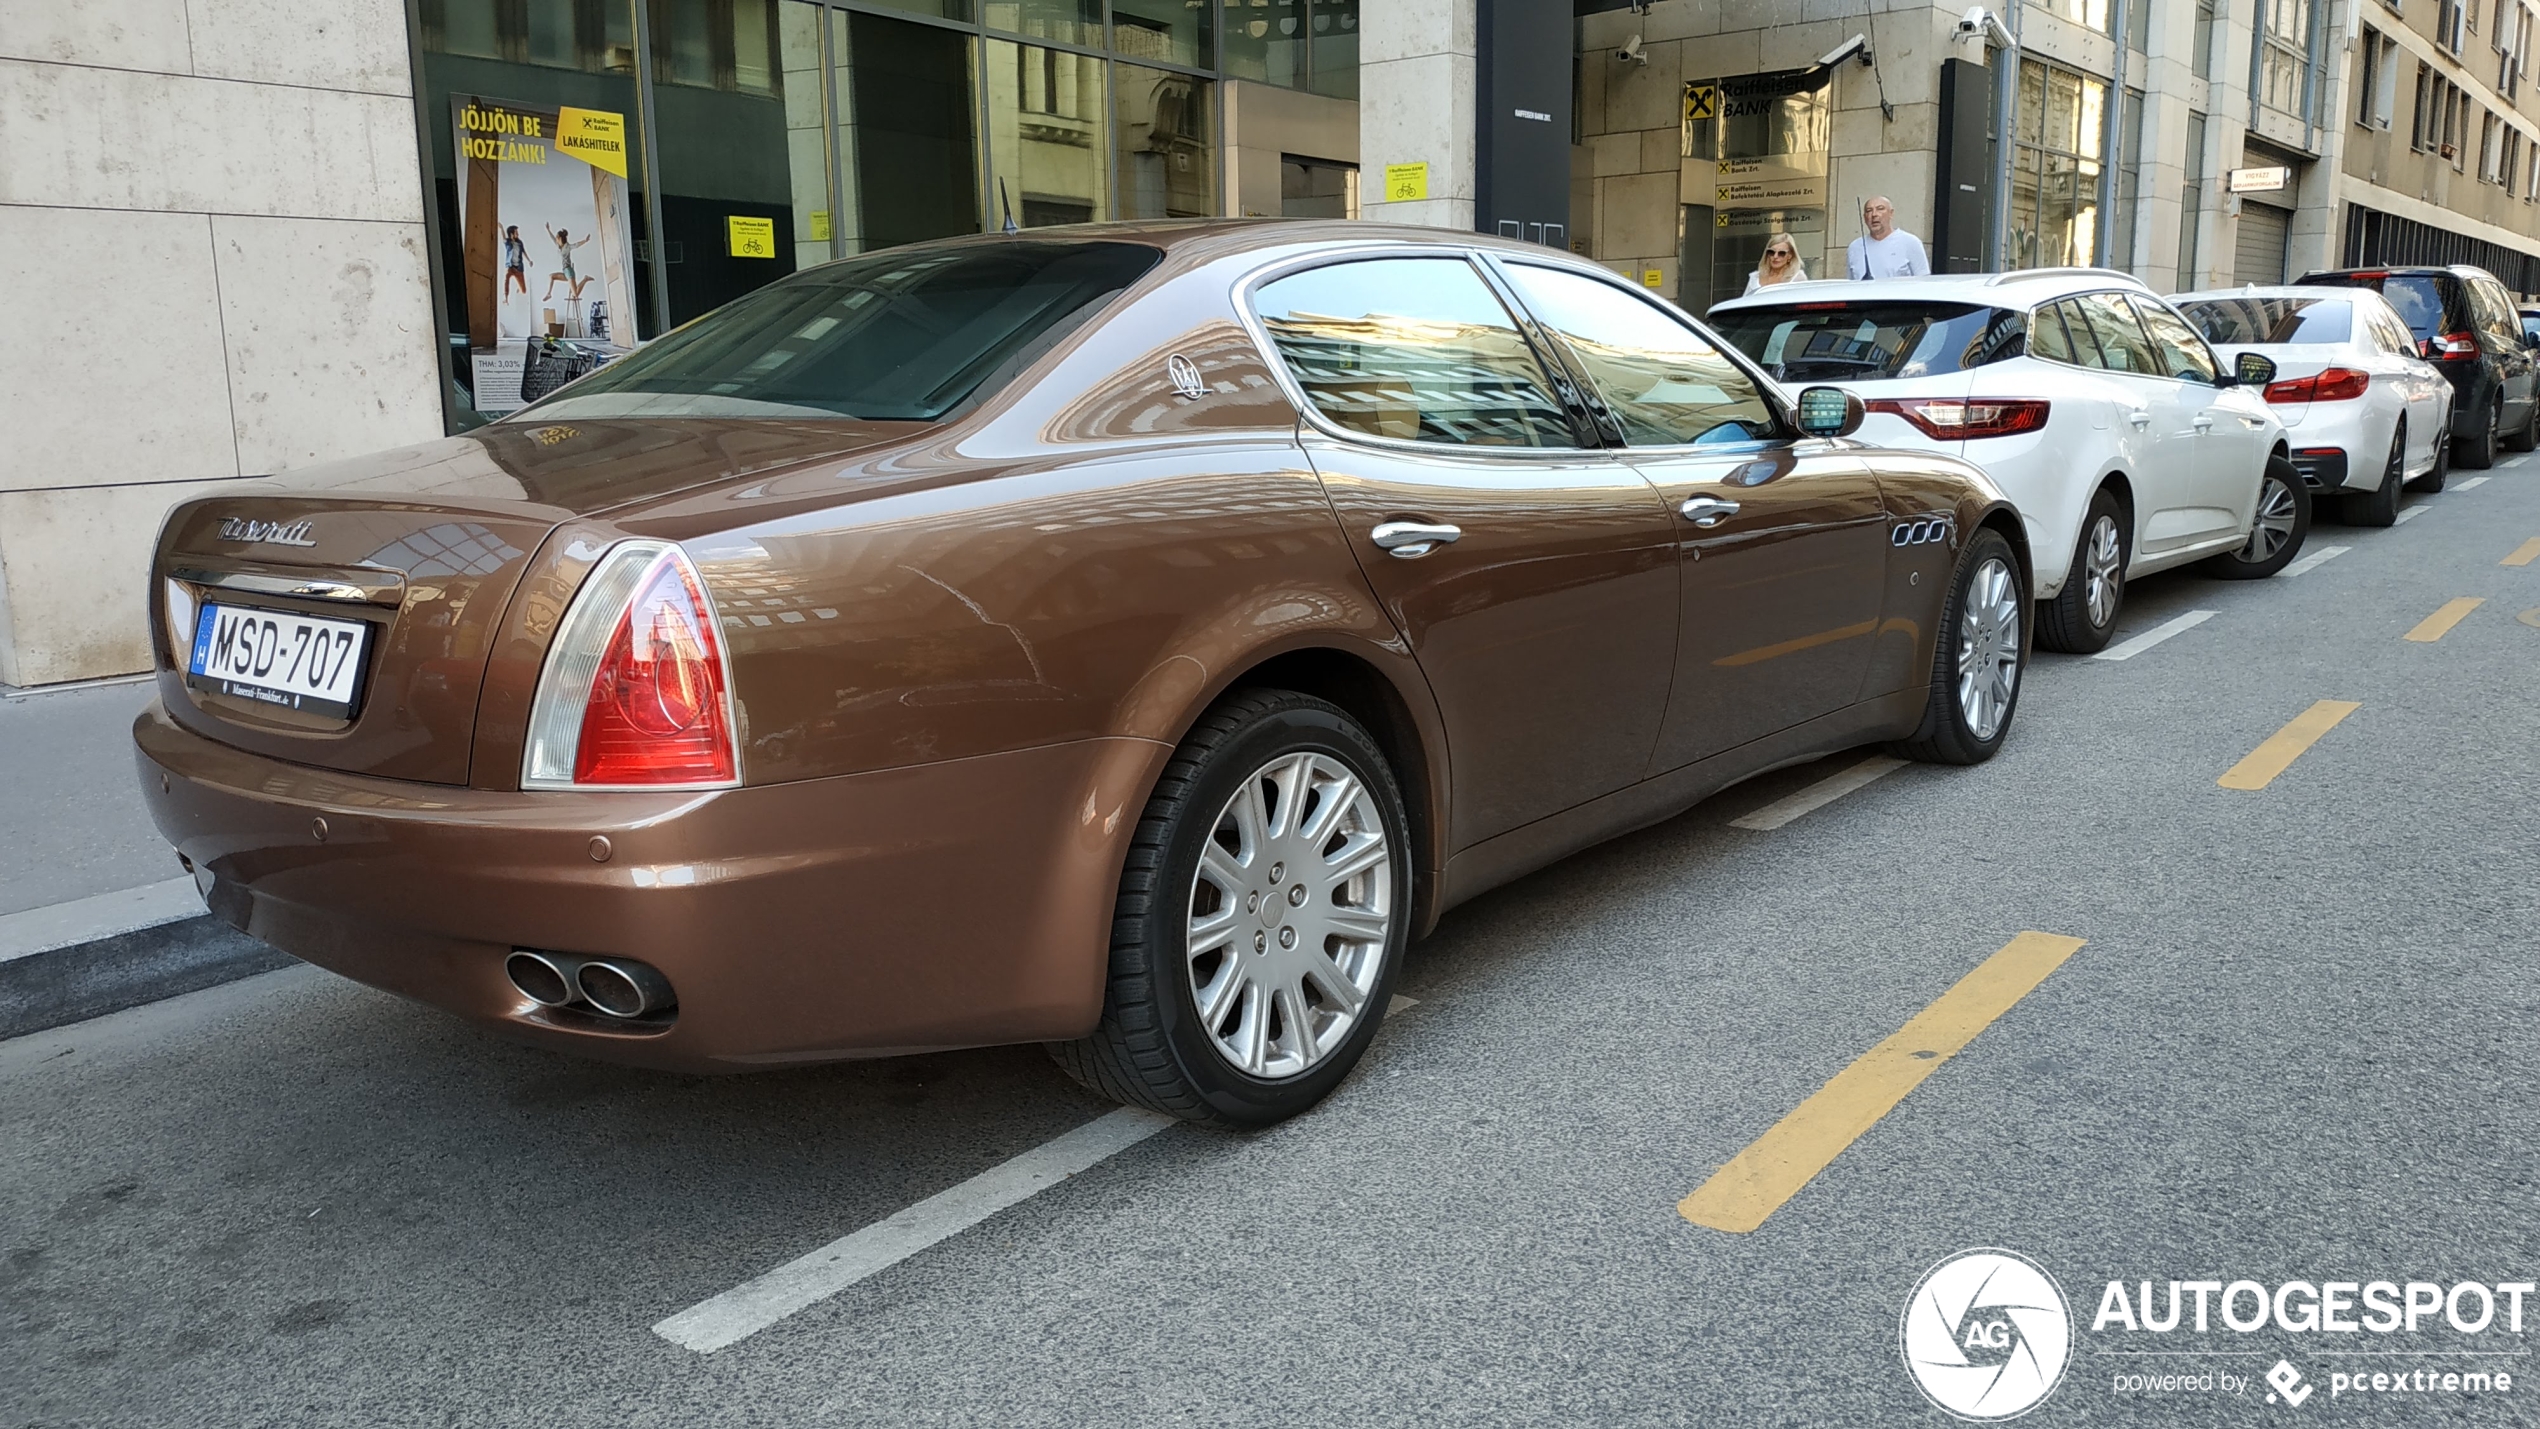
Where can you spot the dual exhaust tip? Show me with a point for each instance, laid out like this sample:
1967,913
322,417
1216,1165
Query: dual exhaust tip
614,987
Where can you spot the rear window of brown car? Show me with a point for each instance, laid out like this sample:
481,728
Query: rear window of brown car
907,334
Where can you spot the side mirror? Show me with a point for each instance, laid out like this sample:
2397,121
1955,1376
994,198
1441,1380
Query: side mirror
2253,369
1829,412
2531,339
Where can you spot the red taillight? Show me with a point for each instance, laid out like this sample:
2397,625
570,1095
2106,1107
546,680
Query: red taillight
2335,384
1951,419
635,692
2452,346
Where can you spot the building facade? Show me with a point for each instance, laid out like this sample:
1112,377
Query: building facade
247,236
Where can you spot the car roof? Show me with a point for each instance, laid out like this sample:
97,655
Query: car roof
2436,270
2020,288
2337,291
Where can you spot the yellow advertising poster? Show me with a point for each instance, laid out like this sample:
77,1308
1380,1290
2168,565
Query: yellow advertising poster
547,245
751,237
1405,182
594,136
820,229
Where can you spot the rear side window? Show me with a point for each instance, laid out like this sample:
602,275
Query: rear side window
2495,313
1809,342
2122,345
2281,320
908,334
1667,384
2183,354
2047,337
1417,349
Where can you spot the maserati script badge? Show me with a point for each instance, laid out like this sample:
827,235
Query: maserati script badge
1185,377
266,533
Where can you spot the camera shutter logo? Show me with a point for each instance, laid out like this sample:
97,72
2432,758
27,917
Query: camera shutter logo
1986,1334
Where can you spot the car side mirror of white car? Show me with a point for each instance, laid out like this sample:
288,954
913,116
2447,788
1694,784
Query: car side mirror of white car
2252,369
1830,412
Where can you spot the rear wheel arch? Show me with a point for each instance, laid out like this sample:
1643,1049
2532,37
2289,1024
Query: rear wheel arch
2007,521
1413,746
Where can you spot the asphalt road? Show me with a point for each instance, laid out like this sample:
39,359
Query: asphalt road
2296,1046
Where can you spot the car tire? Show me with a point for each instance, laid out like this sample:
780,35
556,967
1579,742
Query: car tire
2527,436
1980,656
1249,789
2433,480
2077,621
2276,531
2481,454
2380,506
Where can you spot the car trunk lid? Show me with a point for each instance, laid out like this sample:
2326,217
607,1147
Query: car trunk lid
396,570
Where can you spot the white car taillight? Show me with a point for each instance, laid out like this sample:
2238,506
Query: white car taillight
635,692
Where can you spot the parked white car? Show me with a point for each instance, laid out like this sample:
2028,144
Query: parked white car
2365,415
2127,446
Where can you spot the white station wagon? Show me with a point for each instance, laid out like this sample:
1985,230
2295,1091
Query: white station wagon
2127,446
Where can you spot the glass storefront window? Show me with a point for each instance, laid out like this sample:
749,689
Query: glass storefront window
1265,40
1333,59
1181,32
1046,140
907,131
537,242
2055,167
736,194
1069,22
1166,131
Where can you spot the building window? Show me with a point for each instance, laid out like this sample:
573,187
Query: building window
2449,24
2055,166
2490,148
2378,91
1298,44
2122,250
2284,59
2191,202
2203,56
2093,13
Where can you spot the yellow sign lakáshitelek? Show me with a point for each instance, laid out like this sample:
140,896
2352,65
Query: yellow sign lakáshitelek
752,237
594,136
1405,182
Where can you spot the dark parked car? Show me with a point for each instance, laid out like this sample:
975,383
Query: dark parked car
1123,637
2465,323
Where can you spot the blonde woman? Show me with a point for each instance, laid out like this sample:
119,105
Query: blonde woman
1780,265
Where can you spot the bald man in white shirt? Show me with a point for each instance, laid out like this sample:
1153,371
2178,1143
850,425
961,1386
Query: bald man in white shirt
1887,251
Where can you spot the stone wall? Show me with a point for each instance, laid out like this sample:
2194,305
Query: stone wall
211,234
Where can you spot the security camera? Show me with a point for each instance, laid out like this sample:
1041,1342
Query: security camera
1632,52
1857,45
1979,21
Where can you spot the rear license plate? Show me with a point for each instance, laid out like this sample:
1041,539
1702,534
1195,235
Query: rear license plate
277,657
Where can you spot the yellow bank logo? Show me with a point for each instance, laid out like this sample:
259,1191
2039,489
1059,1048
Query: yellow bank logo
594,136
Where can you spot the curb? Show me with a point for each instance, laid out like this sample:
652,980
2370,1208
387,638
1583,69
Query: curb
74,961
83,980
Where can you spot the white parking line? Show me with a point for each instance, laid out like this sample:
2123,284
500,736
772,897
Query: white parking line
2127,650
1816,796
748,1308
2409,515
2316,559
2474,481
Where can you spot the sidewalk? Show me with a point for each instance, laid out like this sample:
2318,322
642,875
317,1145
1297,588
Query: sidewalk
95,912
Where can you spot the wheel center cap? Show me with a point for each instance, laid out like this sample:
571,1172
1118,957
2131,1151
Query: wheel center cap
1273,908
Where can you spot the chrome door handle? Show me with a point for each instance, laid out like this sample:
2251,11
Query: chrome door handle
1413,539
1707,511
2139,417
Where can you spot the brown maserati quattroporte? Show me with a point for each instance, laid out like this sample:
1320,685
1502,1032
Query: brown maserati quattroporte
1122,637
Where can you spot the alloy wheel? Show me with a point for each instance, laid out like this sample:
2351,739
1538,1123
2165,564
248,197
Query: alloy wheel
2274,523
1289,915
2102,579
1988,648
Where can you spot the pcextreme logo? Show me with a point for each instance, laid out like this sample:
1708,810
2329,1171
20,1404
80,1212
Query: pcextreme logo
1986,1334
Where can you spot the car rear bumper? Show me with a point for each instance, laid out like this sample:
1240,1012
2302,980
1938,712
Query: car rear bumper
953,904
2322,468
